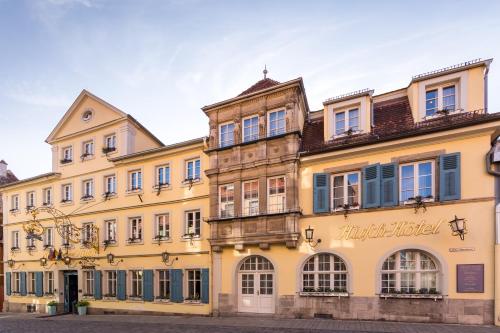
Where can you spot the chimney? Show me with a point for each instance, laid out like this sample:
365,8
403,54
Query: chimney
3,168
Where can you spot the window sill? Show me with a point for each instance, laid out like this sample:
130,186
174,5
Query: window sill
345,135
14,211
194,183
66,164
412,296
85,200
87,158
413,202
109,299
135,243
88,298
163,240
111,244
162,301
323,294
193,302
109,196
134,192
67,203
161,189
194,239
134,300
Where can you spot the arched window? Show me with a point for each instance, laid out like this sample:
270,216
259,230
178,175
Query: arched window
324,272
256,263
410,272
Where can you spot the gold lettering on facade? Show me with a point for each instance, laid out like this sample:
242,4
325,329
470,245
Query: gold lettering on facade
394,229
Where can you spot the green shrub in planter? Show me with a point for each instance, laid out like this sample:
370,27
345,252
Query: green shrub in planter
82,307
52,308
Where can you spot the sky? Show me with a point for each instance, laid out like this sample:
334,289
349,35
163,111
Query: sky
161,61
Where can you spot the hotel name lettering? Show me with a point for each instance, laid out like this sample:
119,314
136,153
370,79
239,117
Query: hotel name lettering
386,230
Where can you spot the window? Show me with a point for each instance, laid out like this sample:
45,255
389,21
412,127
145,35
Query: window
324,272
251,198
163,284
343,125
48,237
250,129
417,180
110,142
66,193
276,195
30,200
88,149
31,283
409,272
67,155
110,284
65,236
87,115
135,180
345,189
192,225
135,229
193,169
136,284
48,283
14,203
110,231
87,233
276,123
194,284
110,185
226,200
47,196
163,175
226,135
441,98
162,226
16,282
30,244
88,189
15,240
88,283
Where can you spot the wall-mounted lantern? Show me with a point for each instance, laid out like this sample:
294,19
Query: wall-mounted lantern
110,257
43,261
66,260
310,237
11,263
165,258
458,227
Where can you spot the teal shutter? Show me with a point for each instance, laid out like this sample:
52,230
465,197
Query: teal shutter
121,285
389,186
321,193
8,285
449,177
23,283
205,285
371,186
97,284
39,284
147,285
176,285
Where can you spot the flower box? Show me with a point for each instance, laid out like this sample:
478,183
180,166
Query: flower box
412,296
323,294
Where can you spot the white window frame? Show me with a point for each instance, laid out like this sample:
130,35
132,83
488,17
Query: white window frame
110,138
48,283
67,193
107,224
195,280
136,232
67,154
279,132
30,283
47,196
48,237
346,190
347,116
31,199
107,190
16,241
440,98
165,181
88,148
193,161
15,203
252,137
196,223
230,140
277,195
164,220
138,173
416,181
87,189
16,282
166,279
224,207
113,280
136,283
88,283
247,207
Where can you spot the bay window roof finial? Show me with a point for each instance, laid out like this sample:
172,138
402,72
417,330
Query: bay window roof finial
265,71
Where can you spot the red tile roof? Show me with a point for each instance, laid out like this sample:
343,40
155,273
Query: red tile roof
260,85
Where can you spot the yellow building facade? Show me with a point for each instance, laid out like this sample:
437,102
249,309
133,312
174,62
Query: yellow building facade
340,213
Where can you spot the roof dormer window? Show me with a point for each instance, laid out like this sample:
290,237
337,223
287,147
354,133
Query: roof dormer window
346,121
440,100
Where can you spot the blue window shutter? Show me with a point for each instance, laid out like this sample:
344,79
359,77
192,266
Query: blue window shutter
121,285
176,285
147,285
97,284
205,285
449,177
371,186
23,283
8,286
321,193
389,186
39,284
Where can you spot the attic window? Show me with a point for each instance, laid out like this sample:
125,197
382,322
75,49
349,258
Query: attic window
87,115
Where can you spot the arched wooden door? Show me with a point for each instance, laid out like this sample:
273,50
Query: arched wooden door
256,285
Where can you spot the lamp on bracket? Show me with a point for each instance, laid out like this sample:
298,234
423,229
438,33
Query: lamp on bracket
310,237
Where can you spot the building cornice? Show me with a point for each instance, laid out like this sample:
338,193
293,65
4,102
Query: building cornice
32,180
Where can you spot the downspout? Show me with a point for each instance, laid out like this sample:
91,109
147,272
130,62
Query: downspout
494,171
486,71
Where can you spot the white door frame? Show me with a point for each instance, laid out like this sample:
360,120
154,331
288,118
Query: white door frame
259,303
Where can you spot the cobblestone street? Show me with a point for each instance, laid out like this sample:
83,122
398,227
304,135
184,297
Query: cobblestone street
187,324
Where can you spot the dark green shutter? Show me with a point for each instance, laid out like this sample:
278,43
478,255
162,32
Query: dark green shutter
39,284
97,284
121,285
371,186
205,285
449,177
147,285
389,186
23,283
321,193
176,286
8,285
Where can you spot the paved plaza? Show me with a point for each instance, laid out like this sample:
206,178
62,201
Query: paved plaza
11,322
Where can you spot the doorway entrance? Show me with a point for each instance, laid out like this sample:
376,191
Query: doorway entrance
70,291
256,285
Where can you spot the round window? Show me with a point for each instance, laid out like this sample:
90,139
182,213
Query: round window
87,115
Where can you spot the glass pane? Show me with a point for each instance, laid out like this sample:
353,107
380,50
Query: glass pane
339,123
425,179
407,182
430,102
354,119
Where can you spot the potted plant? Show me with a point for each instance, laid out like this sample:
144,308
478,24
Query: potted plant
52,308
82,307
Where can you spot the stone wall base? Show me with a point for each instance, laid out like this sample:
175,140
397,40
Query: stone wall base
23,307
452,311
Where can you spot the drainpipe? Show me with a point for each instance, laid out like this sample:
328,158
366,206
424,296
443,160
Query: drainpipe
486,71
494,170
